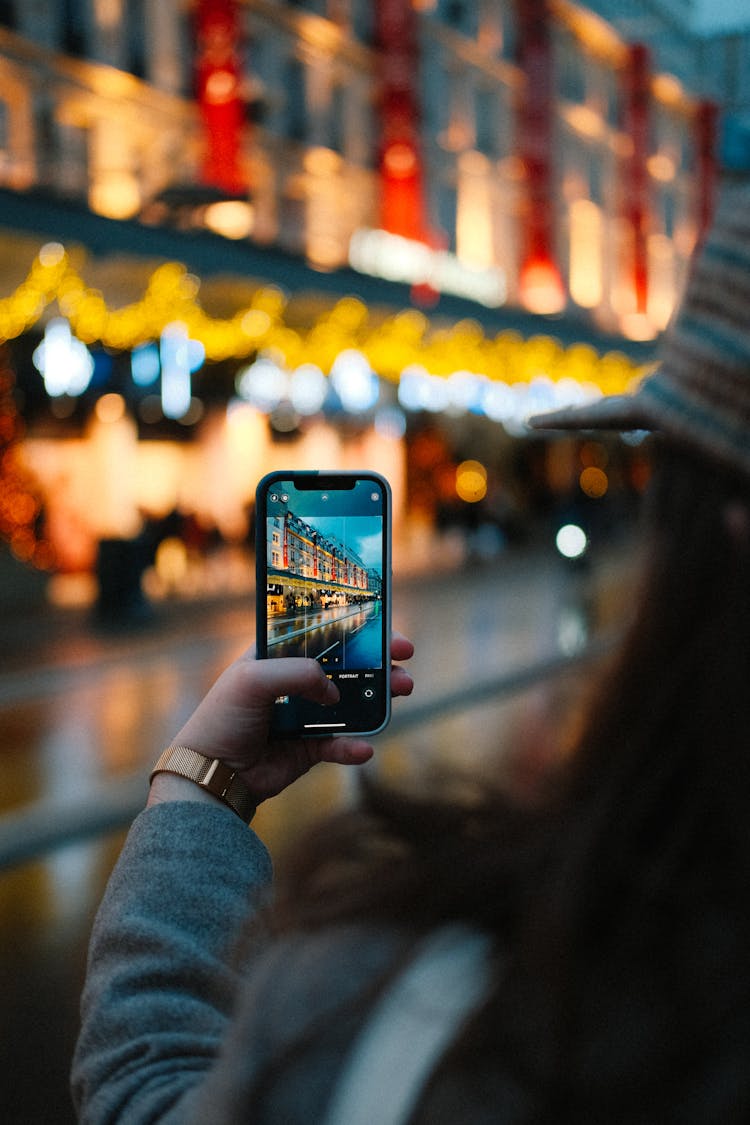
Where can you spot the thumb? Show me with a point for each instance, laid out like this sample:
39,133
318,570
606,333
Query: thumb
291,675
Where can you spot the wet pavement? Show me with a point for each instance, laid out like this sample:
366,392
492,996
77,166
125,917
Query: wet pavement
341,637
81,707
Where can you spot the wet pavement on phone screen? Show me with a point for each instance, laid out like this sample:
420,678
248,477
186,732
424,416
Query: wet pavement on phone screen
341,637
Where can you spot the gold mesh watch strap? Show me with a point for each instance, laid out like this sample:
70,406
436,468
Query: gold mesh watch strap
211,774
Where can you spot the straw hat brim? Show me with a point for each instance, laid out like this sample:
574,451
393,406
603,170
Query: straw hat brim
619,413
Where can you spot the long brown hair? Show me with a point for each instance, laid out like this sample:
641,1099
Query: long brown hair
620,904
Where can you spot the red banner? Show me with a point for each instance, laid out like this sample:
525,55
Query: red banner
402,199
540,282
637,204
706,125
218,71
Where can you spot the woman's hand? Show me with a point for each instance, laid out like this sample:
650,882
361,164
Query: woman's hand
232,723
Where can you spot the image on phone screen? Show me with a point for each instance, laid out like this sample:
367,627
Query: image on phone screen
326,592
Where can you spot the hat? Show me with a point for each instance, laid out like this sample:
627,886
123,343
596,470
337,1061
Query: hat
699,395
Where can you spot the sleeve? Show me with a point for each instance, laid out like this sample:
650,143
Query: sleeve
162,977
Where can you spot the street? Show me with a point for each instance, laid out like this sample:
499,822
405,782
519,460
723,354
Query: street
340,637
78,709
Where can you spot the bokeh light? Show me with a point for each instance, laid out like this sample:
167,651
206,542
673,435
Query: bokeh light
571,541
594,482
110,408
471,481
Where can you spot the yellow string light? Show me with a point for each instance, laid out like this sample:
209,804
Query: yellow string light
391,345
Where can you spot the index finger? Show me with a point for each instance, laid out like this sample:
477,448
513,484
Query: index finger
289,675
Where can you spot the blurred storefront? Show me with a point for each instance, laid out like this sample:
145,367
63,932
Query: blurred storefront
244,236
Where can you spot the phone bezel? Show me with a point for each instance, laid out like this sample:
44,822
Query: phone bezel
313,480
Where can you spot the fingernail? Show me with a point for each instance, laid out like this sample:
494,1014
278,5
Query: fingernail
332,693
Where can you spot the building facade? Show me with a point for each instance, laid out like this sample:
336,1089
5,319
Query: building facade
308,570
705,44
235,233
101,108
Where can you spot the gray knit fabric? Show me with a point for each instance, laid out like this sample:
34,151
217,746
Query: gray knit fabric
158,1042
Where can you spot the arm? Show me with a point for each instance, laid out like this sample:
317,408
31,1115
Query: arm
161,981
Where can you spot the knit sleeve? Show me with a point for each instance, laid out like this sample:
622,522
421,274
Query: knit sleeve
161,977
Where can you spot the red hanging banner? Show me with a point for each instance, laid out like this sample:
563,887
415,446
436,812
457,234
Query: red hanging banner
540,282
706,122
636,203
218,73
402,208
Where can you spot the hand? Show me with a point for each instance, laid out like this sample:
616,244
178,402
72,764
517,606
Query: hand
232,723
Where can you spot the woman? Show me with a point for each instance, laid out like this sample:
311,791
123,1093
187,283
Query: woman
581,959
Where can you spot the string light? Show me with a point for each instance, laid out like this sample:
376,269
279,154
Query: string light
21,504
65,364
457,368
180,356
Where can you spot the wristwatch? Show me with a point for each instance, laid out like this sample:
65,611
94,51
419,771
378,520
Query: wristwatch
211,774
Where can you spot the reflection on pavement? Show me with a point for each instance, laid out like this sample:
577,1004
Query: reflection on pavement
333,636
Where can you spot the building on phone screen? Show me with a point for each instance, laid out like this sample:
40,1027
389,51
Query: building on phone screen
307,570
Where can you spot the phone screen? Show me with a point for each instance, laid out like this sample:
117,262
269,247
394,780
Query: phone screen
323,549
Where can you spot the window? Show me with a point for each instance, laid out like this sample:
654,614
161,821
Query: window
135,60
487,121
8,13
460,14
296,104
337,118
74,28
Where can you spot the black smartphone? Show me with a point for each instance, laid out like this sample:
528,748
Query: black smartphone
323,550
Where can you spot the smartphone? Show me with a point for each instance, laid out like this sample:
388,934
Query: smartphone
323,551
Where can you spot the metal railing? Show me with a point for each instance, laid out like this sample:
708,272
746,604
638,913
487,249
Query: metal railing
36,829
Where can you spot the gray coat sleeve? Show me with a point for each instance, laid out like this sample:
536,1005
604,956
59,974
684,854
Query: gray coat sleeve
162,978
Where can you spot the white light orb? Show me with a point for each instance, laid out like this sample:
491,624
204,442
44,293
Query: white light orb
571,541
